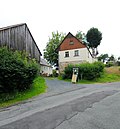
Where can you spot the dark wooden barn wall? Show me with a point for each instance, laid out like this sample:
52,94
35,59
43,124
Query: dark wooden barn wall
19,38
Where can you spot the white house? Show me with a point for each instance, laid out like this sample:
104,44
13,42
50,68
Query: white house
73,51
45,68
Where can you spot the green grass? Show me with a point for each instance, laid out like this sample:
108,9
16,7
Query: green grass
105,78
38,87
109,78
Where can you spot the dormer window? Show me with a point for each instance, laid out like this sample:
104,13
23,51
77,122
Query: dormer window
71,43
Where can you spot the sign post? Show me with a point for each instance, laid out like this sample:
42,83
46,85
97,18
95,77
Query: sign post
75,75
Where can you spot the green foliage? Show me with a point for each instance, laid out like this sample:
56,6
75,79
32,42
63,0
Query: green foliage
38,87
109,64
103,57
50,53
17,71
111,58
55,74
79,35
94,37
68,71
108,78
118,63
86,70
105,78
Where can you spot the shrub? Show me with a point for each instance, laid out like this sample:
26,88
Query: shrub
86,71
55,74
17,70
91,71
118,63
68,72
109,64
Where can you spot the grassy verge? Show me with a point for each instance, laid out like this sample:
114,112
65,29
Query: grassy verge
113,70
38,87
105,78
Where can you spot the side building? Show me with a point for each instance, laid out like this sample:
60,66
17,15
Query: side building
45,68
19,37
72,51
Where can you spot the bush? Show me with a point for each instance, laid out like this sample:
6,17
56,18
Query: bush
91,71
68,72
86,71
55,74
118,63
17,71
109,64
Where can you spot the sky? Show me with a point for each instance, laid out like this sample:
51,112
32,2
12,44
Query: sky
46,16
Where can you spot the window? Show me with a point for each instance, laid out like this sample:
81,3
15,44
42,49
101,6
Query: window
71,43
76,53
66,54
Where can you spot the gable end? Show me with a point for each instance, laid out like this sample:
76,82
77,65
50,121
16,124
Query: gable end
70,42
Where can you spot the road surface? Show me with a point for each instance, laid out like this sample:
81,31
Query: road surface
67,106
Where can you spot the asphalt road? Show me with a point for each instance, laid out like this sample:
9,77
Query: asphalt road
67,106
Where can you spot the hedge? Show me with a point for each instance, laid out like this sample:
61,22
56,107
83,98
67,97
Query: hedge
88,71
17,70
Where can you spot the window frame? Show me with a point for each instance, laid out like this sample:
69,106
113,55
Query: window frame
67,54
76,53
71,43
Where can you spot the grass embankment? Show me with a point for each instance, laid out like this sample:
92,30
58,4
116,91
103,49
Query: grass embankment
105,78
37,88
111,74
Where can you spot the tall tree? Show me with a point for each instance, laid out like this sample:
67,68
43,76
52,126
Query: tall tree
50,53
94,37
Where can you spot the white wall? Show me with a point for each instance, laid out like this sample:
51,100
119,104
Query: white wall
83,55
46,70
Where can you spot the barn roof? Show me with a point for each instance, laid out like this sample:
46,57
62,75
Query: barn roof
17,25
12,26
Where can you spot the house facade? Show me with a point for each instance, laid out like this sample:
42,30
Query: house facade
45,68
19,37
73,51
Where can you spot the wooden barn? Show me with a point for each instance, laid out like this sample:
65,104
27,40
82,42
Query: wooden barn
19,37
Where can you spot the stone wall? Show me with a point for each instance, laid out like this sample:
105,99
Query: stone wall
62,65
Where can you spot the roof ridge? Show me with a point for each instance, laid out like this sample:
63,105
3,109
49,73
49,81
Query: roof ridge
11,26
